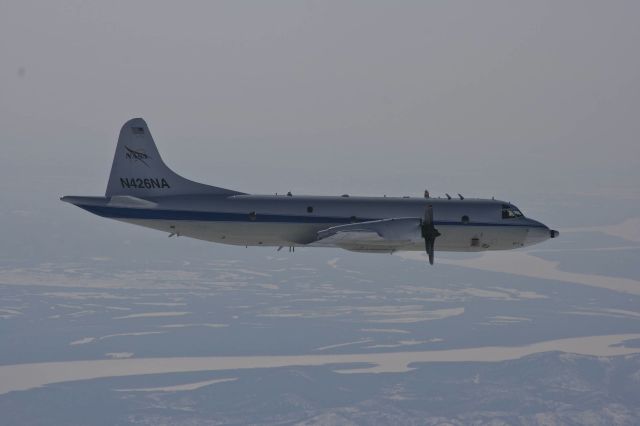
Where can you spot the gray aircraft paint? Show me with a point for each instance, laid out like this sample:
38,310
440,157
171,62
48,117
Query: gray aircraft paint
142,190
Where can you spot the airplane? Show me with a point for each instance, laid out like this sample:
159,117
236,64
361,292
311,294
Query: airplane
143,191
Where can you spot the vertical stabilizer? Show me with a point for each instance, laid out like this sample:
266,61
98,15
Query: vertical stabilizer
138,169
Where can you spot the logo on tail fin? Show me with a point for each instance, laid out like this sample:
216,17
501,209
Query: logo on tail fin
134,155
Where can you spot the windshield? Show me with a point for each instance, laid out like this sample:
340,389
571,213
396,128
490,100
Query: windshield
510,212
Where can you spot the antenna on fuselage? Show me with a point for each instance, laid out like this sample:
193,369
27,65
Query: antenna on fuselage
448,196
461,197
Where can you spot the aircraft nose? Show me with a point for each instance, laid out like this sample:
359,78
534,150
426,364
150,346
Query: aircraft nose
538,232
536,235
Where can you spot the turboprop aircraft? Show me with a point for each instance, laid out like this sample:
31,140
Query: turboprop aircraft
143,191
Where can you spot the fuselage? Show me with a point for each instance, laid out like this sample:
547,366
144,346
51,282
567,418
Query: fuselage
282,220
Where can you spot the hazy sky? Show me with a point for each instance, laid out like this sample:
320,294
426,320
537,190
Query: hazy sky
484,98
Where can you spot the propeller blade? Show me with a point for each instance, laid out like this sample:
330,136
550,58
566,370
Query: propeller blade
428,216
429,232
430,251
429,247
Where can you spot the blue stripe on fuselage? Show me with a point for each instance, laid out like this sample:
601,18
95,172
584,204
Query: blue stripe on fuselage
204,216
128,213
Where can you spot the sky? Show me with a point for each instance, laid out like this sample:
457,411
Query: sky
497,98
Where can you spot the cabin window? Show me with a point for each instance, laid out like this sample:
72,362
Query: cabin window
510,212
310,209
465,219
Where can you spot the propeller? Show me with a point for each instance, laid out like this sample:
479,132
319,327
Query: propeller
429,232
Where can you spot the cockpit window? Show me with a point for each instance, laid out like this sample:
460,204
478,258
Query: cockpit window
510,212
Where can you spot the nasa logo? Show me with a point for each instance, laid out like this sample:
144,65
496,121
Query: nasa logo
136,155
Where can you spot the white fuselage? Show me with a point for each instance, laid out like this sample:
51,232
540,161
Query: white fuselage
280,220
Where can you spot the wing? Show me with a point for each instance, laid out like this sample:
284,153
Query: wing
374,236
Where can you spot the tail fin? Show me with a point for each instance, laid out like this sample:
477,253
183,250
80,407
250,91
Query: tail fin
139,171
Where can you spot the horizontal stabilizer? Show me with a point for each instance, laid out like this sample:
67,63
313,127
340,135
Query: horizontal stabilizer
125,201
